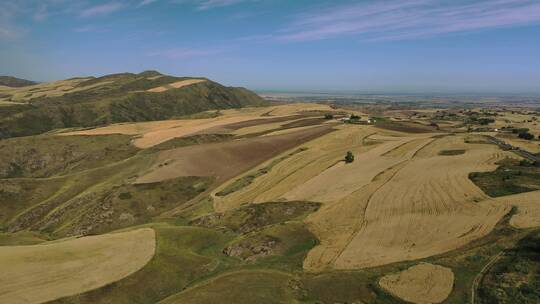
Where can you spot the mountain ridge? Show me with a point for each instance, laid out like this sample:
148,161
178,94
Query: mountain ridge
114,98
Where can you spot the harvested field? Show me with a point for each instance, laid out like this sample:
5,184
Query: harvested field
352,177
304,122
321,154
225,160
255,126
288,109
285,131
48,271
528,209
419,212
49,89
155,132
390,204
175,85
403,126
422,283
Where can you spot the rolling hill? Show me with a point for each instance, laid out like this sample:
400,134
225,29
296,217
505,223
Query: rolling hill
257,204
14,82
125,97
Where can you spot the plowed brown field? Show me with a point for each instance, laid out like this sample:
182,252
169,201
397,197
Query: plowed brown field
225,160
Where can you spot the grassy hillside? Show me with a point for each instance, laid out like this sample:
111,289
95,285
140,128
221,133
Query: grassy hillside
70,185
10,81
117,98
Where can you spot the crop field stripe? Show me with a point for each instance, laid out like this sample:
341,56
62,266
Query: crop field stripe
363,222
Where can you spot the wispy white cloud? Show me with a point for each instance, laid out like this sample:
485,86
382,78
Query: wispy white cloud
146,2
208,4
184,53
203,5
102,9
398,20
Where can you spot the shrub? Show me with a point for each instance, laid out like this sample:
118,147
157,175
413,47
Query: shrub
486,121
328,116
124,195
526,135
349,158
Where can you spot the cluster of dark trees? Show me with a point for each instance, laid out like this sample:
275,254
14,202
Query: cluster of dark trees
526,135
523,133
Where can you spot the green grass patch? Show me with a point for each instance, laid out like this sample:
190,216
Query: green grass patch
514,278
21,238
191,140
511,177
344,287
248,286
451,152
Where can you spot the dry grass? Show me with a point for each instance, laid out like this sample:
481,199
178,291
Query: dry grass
399,200
429,206
48,271
176,85
528,209
422,283
48,89
155,132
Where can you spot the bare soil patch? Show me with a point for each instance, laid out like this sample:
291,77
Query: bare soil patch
225,160
176,85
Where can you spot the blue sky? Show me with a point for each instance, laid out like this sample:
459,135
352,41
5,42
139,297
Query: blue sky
370,46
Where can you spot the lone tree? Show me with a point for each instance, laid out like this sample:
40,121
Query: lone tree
328,116
349,158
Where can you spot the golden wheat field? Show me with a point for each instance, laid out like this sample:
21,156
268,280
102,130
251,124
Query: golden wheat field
149,134
423,283
399,200
51,270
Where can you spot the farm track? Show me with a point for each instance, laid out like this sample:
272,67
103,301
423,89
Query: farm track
478,278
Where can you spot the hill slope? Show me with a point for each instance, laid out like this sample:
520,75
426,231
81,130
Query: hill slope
88,102
10,81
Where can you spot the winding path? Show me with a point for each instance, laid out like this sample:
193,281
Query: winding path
481,274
